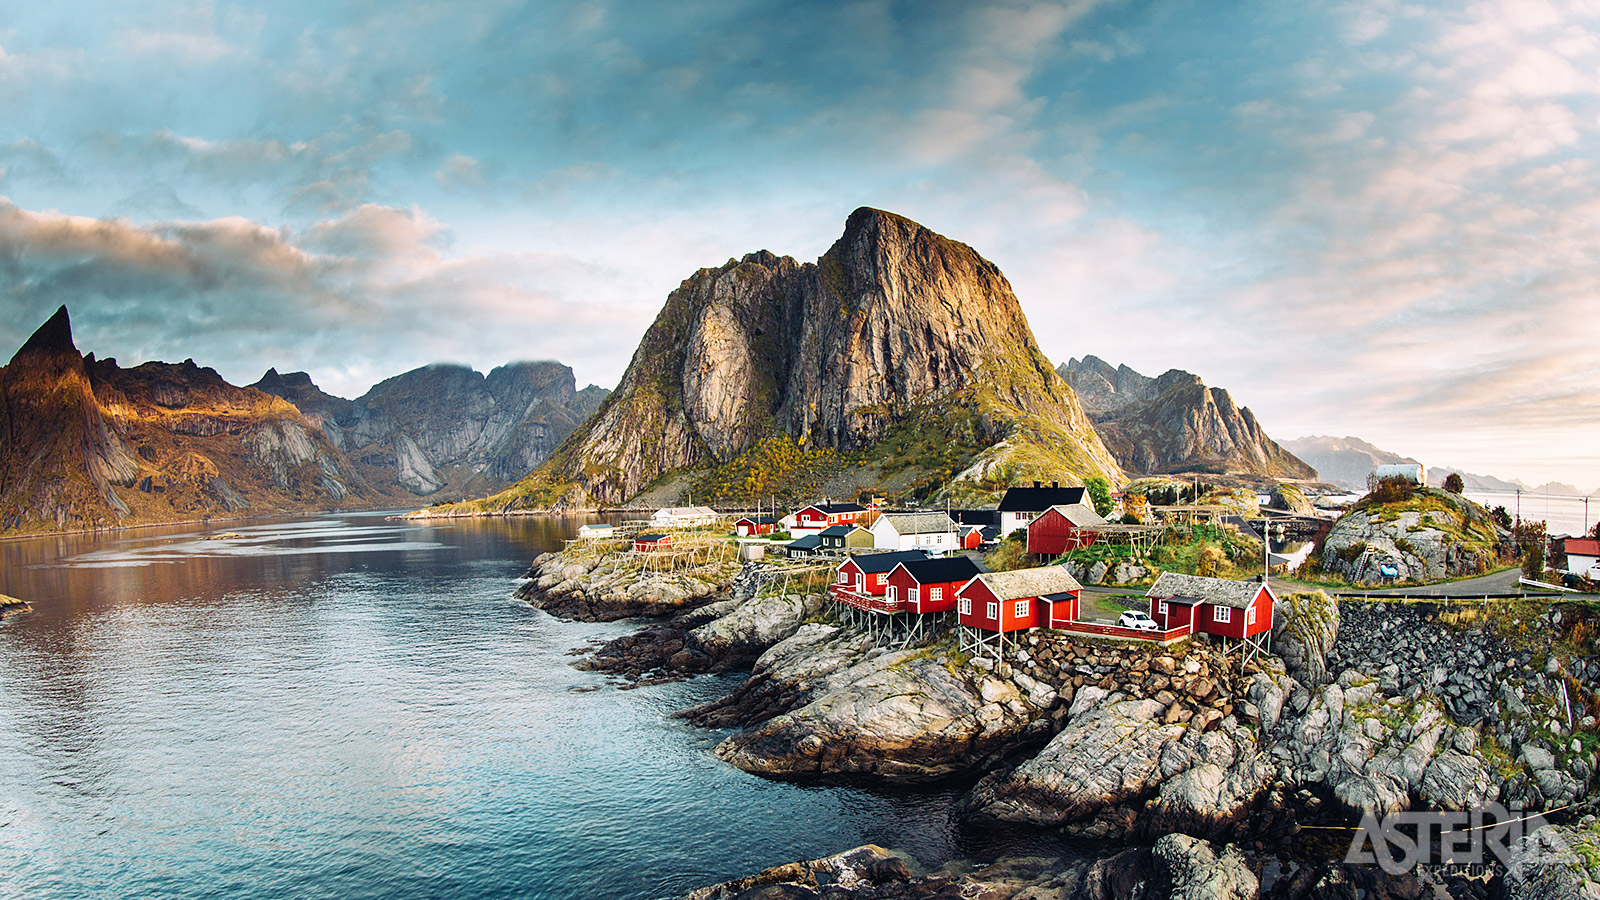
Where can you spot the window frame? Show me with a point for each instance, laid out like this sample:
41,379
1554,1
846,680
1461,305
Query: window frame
1222,615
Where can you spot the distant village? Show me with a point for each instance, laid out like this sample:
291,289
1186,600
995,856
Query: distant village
904,575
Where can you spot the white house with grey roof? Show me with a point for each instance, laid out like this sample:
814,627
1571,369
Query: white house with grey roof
930,532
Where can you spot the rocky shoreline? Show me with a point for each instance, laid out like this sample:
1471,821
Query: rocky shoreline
1362,709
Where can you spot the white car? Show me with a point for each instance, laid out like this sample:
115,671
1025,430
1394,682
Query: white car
1135,619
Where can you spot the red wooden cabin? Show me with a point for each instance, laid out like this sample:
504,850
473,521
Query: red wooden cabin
1063,529
1232,609
816,517
929,585
863,577
995,604
750,526
646,543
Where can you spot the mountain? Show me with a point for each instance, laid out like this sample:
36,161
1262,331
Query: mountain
87,444
899,358
1345,461
1174,423
447,428
1471,482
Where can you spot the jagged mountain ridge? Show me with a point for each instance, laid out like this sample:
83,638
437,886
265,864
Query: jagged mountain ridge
445,427
894,322
88,444
1175,423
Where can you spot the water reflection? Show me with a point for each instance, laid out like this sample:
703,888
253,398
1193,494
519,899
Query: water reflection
349,706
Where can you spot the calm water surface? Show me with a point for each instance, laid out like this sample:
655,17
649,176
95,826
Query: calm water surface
350,707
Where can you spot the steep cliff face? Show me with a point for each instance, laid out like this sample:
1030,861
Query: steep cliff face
1174,423
893,323
447,428
88,444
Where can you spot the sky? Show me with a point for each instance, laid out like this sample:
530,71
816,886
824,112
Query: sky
1367,218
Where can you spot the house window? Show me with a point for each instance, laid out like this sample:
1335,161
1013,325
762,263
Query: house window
911,595
992,610
1022,609
1221,614
844,577
1250,616
1163,607
935,594
964,606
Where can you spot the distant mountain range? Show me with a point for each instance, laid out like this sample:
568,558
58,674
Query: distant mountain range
1175,423
447,428
87,444
1347,461
899,359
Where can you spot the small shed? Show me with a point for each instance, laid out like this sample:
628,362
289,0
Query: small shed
649,543
596,530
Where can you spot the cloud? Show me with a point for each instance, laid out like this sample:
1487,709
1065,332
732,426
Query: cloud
353,299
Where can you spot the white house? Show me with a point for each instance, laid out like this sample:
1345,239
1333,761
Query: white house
933,532
683,517
1583,557
596,530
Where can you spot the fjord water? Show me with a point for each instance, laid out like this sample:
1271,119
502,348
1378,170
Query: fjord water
347,706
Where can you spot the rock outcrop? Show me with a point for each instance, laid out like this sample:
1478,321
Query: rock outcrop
447,430
1428,535
893,325
85,443
1176,867
597,588
1174,423
906,716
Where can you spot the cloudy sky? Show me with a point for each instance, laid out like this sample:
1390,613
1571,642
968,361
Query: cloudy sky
1370,218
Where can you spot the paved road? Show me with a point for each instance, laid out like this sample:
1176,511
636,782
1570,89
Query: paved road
1496,583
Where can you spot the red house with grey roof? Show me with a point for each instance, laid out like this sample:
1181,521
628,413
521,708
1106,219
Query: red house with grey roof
1233,609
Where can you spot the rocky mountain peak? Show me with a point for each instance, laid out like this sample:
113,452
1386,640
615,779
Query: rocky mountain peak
892,321
1175,423
54,336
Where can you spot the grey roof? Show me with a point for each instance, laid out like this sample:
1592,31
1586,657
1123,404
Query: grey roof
1200,589
838,530
920,523
1020,583
1079,514
809,542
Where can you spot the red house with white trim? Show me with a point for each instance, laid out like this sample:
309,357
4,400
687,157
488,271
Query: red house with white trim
1232,609
647,543
995,604
929,585
971,537
865,575
812,519
1063,528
